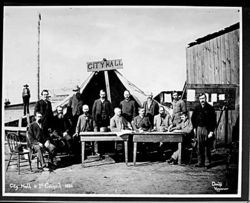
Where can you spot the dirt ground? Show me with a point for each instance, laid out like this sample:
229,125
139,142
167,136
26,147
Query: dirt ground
110,176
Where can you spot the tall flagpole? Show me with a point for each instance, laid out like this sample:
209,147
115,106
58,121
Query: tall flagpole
38,59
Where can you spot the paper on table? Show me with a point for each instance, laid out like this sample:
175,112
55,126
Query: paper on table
123,132
191,95
222,97
214,97
167,98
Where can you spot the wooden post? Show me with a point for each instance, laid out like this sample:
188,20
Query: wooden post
83,152
126,151
135,151
28,119
20,122
180,152
38,59
107,85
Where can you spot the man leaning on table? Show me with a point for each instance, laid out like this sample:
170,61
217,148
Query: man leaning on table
162,121
118,122
141,123
186,127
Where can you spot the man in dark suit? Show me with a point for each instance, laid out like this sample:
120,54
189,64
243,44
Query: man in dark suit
204,123
101,112
151,108
141,122
75,105
26,99
128,107
44,107
37,139
62,131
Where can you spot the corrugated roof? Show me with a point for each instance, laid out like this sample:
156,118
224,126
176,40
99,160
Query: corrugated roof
215,34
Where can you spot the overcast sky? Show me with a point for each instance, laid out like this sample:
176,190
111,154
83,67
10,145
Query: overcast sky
151,42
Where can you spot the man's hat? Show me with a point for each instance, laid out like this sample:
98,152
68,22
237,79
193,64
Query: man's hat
76,88
149,93
26,85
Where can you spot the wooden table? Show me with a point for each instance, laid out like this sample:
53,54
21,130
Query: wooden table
158,137
103,136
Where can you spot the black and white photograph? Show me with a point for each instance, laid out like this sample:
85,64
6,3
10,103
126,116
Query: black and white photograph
122,102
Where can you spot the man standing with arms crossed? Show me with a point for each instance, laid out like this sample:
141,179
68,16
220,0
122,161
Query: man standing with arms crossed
204,123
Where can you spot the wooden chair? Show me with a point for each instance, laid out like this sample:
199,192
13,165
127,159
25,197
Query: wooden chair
16,149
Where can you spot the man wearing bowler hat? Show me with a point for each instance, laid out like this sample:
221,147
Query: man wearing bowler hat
26,99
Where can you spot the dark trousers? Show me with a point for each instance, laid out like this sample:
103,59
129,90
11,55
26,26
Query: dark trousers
26,101
100,149
74,121
204,146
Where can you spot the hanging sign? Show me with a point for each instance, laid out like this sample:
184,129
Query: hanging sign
104,65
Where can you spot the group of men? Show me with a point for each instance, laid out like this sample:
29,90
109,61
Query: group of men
50,132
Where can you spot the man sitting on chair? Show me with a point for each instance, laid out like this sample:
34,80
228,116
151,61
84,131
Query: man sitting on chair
118,122
186,127
38,141
162,121
62,131
141,122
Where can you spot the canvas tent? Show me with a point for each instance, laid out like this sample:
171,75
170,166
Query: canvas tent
91,87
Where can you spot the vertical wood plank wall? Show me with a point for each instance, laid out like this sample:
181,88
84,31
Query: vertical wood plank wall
216,61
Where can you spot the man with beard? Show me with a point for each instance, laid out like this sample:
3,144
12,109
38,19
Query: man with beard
85,121
204,122
162,121
75,105
44,107
178,107
101,113
151,108
141,122
84,124
128,107
62,131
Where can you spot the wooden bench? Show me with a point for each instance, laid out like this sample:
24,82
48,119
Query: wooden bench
103,136
155,137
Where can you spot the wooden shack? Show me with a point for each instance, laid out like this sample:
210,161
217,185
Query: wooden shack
215,60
